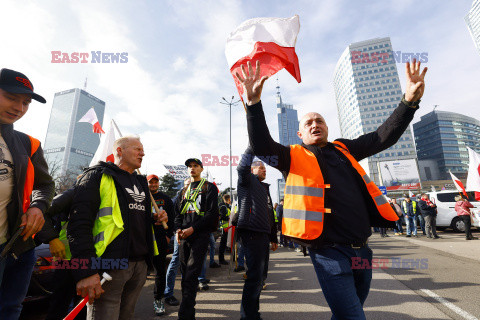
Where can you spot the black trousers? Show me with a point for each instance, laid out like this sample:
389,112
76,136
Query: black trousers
223,246
160,268
255,246
192,253
468,225
64,291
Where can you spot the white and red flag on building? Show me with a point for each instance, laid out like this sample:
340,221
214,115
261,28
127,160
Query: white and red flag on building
268,40
473,178
91,117
105,148
458,184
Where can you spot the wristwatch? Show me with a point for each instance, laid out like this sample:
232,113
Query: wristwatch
411,104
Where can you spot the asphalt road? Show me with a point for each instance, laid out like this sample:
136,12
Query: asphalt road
430,279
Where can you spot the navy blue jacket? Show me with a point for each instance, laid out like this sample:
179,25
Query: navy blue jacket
255,208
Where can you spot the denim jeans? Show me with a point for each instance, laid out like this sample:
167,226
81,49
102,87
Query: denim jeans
422,222
345,288
256,246
203,274
172,269
411,225
241,255
16,279
212,248
398,225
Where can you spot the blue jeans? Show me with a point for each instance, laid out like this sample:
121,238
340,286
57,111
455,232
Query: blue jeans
203,274
16,279
345,288
172,270
212,248
255,246
422,222
411,225
399,227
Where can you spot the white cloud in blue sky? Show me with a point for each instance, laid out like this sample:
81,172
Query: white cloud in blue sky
170,89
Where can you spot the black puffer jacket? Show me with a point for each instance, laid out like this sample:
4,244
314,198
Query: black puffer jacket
84,210
255,210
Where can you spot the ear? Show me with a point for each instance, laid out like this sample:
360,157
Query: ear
201,170
299,134
119,151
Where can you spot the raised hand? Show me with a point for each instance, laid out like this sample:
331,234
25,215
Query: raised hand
252,83
415,81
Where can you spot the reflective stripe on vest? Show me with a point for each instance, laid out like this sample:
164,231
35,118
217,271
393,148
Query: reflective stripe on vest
275,215
414,206
304,194
191,199
30,175
155,247
303,202
62,236
109,223
225,223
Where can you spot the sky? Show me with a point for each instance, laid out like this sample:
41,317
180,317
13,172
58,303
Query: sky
170,89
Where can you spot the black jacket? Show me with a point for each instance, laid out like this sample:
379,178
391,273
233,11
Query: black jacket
163,200
57,213
426,210
208,204
84,210
255,207
353,210
43,186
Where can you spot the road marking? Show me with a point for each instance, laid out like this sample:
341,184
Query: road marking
449,305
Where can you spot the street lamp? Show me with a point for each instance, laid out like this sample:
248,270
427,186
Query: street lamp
230,104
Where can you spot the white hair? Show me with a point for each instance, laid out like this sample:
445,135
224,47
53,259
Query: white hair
123,143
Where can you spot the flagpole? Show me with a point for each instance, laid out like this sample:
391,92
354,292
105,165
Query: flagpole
157,210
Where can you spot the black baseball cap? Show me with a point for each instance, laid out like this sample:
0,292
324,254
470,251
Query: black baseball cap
193,160
16,82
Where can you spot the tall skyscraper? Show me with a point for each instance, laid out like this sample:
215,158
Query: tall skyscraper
287,130
473,23
367,90
69,144
444,137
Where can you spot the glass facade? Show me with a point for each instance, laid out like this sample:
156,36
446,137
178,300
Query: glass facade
444,137
69,144
367,91
473,23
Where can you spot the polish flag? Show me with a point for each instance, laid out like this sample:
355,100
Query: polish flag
91,117
105,148
458,184
268,40
473,178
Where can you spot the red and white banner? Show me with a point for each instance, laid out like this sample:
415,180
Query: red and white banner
105,148
473,178
91,117
458,184
268,40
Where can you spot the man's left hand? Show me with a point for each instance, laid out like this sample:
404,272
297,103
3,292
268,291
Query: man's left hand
415,81
33,221
186,233
274,246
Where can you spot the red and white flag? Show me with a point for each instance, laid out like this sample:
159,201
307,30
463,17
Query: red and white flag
473,178
91,117
105,148
268,40
458,184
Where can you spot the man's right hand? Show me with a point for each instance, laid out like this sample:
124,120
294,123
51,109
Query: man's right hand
90,286
252,83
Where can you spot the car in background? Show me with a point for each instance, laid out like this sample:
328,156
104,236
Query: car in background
447,216
41,283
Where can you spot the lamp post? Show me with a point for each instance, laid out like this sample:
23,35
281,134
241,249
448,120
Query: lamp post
230,104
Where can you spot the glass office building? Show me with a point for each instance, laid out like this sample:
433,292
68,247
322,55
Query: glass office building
473,23
69,144
367,90
287,130
444,137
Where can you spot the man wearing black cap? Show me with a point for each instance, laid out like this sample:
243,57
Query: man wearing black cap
196,216
26,191
163,238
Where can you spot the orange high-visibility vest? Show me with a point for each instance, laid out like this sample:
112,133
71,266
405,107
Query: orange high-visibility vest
304,194
30,176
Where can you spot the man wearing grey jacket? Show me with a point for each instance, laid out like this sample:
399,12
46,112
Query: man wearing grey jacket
26,190
256,229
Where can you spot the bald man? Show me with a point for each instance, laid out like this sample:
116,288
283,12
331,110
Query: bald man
330,202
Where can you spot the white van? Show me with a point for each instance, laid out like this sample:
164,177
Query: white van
447,216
